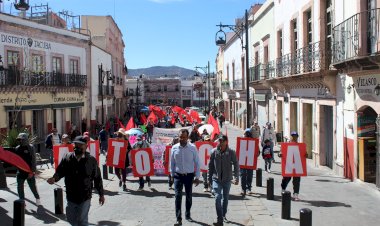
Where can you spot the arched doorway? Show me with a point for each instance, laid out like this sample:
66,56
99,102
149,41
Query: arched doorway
366,122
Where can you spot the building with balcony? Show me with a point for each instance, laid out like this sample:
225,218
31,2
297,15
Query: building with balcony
356,55
187,93
106,35
262,36
162,91
44,77
303,84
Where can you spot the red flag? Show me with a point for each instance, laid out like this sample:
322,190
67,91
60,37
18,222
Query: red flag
143,118
120,123
195,116
130,125
152,117
173,118
15,160
214,123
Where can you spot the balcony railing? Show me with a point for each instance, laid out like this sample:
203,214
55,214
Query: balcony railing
357,36
11,77
312,58
237,84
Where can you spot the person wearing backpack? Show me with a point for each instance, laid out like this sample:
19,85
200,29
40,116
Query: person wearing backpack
52,139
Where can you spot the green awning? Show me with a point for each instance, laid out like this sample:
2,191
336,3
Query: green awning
241,111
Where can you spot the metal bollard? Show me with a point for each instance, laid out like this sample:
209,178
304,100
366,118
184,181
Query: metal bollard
285,205
19,213
270,188
58,200
259,177
305,217
3,178
110,170
105,172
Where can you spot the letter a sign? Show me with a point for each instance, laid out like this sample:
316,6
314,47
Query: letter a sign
142,161
59,151
293,159
117,150
247,152
204,152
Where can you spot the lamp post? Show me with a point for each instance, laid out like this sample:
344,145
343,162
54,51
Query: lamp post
102,75
220,40
206,70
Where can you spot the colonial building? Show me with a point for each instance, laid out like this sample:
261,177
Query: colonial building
106,35
44,77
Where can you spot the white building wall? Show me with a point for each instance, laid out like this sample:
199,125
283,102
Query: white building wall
98,57
233,53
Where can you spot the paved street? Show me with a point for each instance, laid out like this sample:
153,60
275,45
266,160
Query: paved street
333,200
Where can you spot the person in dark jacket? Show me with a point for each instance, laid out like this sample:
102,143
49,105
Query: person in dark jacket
27,153
222,160
80,170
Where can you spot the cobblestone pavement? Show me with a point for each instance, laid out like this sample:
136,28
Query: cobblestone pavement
333,200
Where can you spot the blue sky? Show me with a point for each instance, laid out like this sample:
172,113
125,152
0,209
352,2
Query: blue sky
162,32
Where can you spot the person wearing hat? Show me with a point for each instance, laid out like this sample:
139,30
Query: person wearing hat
66,139
80,171
268,134
27,153
222,168
246,175
141,143
121,173
296,180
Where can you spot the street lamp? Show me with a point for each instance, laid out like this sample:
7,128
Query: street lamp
220,40
102,74
206,70
22,5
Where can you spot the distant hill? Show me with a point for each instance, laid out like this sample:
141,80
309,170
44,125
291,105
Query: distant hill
157,71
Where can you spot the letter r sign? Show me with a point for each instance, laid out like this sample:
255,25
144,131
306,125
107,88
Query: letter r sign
293,159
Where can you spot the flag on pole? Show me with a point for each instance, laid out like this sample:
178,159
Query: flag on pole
130,125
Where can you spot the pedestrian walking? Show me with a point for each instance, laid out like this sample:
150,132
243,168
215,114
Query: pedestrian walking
66,139
267,155
268,134
142,144
103,138
222,168
80,170
221,119
255,130
28,154
121,173
296,180
52,139
246,175
184,169
206,182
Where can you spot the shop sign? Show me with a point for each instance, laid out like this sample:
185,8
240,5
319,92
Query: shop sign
366,126
24,41
365,85
67,99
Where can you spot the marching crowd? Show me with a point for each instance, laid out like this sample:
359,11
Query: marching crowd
82,174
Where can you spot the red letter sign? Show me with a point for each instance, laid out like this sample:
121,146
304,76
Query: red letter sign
168,153
60,151
204,152
93,149
247,152
142,161
117,150
293,159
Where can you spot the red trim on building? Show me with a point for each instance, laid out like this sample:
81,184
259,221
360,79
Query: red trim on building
349,166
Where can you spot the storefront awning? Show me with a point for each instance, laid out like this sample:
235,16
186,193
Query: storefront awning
241,111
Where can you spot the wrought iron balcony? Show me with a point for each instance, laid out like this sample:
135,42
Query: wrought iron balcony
357,38
12,77
237,84
263,71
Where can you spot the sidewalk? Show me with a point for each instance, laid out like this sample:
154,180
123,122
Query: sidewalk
333,200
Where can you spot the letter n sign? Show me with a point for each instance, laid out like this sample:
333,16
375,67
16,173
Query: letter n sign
142,161
247,151
293,159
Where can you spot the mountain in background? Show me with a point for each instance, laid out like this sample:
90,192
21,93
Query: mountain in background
161,71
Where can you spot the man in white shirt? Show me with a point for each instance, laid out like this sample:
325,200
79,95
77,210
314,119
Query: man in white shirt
183,168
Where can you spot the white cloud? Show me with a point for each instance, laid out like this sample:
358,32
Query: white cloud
166,1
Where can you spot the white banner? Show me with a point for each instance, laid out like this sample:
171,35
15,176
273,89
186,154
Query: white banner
165,136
